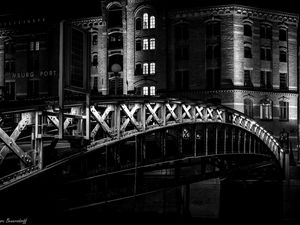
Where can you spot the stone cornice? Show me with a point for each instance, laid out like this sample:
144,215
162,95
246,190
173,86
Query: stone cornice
233,9
84,22
13,22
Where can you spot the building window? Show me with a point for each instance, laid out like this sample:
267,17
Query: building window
247,78
266,110
152,22
265,54
138,45
266,31
247,52
213,78
213,52
145,68
152,90
182,80
182,53
152,68
145,90
95,60
213,29
248,107
138,23
33,88
145,44
31,46
248,30
10,66
282,34
152,43
283,110
138,69
266,79
282,55
283,84
95,84
181,32
10,90
145,21
95,39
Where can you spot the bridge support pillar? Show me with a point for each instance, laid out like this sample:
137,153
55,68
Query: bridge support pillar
38,143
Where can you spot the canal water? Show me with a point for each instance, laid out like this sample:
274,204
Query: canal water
209,201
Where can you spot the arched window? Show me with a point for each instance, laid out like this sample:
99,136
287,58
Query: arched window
248,107
152,43
145,68
152,90
138,23
95,60
138,45
152,22
145,21
247,51
282,55
266,109
248,30
95,39
283,110
152,68
138,69
282,34
145,44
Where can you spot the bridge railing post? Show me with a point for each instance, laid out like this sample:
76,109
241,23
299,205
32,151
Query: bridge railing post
38,141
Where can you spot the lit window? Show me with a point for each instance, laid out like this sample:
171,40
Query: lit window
152,68
283,110
145,21
266,109
248,107
152,22
145,68
31,46
145,90
145,44
37,45
152,90
152,43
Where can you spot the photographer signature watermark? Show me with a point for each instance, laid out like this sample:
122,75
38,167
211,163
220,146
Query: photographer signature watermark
9,220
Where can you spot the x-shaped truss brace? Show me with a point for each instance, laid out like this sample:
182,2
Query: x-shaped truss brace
130,117
171,112
186,112
153,114
10,142
101,121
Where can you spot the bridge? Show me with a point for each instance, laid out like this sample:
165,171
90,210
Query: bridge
111,149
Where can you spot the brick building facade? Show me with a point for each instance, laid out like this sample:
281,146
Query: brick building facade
242,57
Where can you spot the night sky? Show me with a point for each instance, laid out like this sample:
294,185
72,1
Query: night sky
79,8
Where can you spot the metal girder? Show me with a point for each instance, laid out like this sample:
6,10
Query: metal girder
14,136
130,117
101,121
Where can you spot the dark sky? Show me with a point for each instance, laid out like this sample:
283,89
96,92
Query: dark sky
93,7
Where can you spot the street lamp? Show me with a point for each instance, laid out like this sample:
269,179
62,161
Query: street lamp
116,68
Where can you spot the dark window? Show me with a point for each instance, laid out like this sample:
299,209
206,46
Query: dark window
247,52
282,56
33,88
248,30
182,53
115,41
138,45
248,107
95,39
181,32
138,69
283,110
10,90
95,60
266,79
213,29
114,16
283,85
213,78
95,85
266,32
265,54
282,35
182,80
138,24
266,110
247,78
115,59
